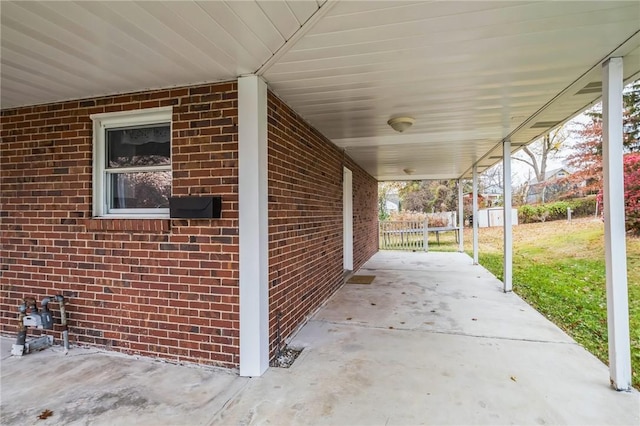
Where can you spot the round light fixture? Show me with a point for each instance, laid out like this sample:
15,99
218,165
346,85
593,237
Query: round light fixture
400,124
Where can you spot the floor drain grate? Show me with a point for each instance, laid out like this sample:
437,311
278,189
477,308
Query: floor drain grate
286,358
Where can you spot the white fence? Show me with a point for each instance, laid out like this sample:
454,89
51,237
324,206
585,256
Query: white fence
413,234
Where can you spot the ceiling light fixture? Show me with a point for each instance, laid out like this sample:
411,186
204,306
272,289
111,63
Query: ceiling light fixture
400,124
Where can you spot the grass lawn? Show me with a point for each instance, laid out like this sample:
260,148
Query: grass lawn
558,267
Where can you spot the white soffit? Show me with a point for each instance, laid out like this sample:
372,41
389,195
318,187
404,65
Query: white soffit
59,50
470,73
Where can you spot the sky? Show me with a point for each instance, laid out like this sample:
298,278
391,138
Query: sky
522,172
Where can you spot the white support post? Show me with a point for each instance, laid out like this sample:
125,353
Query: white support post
614,226
347,219
253,226
474,214
426,235
507,274
460,217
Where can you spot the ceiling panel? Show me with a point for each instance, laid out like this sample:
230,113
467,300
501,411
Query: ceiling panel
458,68
107,47
303,9
471,73
282,17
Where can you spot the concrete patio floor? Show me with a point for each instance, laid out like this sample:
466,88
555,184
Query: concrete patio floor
433,340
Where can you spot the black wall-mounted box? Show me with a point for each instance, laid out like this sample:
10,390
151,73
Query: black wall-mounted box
195,207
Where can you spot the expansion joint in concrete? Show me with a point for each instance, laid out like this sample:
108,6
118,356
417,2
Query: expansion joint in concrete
446,332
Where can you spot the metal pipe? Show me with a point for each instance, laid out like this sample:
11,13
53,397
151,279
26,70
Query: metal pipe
22,329
47,317
63,321
30,302
278,342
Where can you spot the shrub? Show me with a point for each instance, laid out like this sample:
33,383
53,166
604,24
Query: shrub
435,219
580,207
583,207
437,222
632,192
631,166
407,216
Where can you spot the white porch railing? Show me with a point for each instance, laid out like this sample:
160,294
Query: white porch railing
414,234
402,235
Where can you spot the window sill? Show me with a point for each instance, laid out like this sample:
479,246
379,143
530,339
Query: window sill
129,224
132,216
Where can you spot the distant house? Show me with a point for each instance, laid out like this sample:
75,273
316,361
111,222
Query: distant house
492,197
391,206
393,201
553,185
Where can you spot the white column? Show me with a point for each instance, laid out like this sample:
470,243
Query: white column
347,219
460,217
425,235
507,274
253,226
474,213
614,226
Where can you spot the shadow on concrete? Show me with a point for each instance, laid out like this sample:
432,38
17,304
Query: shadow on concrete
432,340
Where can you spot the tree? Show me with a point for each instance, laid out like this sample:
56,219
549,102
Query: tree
537,154
427,196
416,196
631,117
586,158
385,190
631,170
632,192
491,180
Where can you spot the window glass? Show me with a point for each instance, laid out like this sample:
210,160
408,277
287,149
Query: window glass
140,190
132,163
138,146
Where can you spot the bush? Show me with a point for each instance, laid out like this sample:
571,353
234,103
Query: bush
435,220
631,165
581,207
438,222
632,192
407,216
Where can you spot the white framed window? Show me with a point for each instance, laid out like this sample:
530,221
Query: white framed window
132,163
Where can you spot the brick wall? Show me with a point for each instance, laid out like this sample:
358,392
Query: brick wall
305,218
365,215
165,288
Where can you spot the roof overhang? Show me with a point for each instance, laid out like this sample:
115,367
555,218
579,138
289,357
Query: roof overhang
471,74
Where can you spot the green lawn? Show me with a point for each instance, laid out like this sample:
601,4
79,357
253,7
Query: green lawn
559,269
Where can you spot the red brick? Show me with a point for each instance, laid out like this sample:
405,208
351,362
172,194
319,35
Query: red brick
305,175
103,260
161,287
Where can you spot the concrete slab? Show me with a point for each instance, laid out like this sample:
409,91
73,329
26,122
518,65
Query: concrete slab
88,386
445,294
374,354
5,347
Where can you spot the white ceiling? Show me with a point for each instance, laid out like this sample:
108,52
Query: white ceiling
470,73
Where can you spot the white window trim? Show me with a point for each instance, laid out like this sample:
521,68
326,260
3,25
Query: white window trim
102,122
